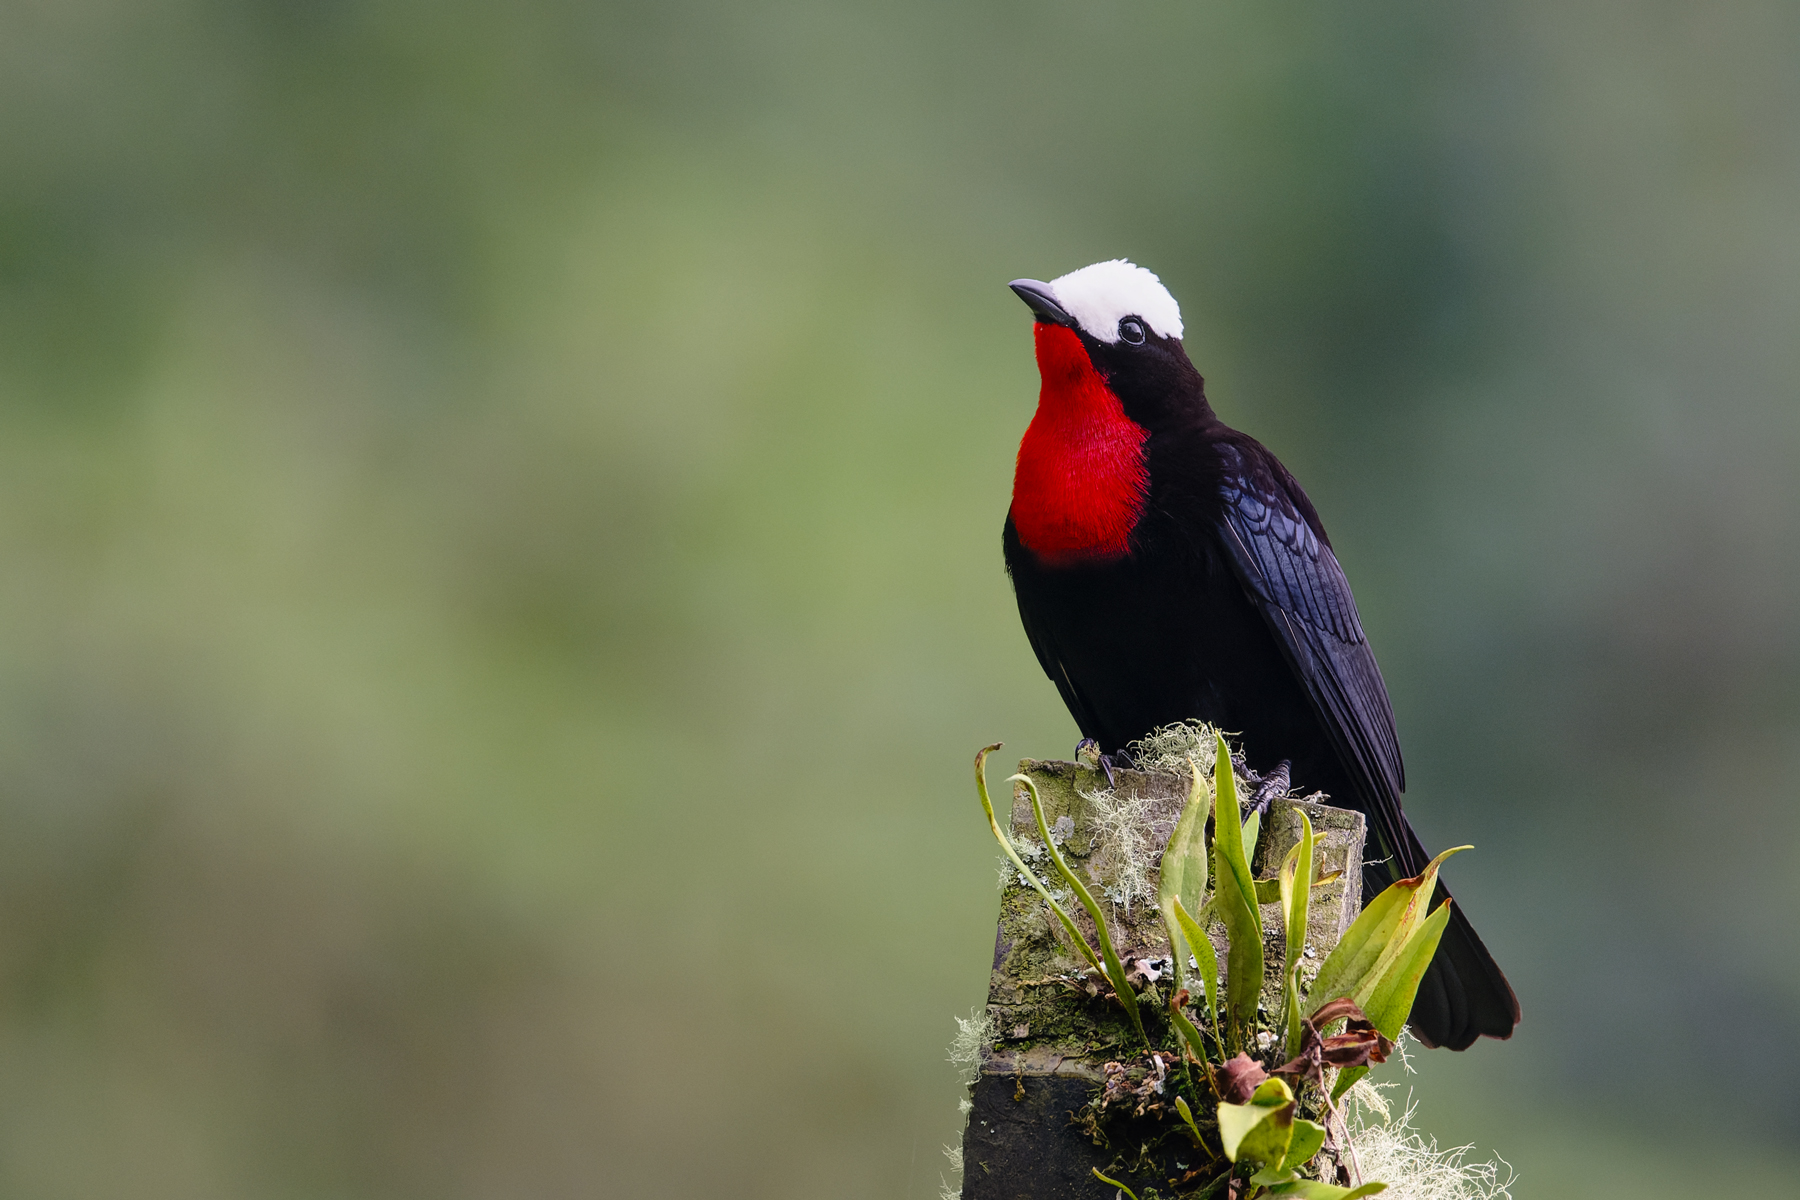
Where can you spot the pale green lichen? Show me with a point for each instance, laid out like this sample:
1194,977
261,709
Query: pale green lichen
1128,831
1363,1100
1171,748
946,1189
1125,849
1030,849
974,1033
1388,1148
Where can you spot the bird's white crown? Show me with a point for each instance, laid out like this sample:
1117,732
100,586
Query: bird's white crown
1099,296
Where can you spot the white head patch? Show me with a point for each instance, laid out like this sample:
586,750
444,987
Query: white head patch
1100,295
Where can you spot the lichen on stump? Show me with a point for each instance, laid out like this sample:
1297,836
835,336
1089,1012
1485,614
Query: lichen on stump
1032,1131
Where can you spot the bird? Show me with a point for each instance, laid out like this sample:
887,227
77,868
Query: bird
1169,568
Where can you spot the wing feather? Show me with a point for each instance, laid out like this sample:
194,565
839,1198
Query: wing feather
1292,575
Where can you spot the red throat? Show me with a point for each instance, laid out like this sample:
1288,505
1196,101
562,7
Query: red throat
1081,481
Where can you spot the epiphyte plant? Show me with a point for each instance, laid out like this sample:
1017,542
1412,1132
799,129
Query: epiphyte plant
1261,1109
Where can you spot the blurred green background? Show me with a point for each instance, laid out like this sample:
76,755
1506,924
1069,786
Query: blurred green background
500,577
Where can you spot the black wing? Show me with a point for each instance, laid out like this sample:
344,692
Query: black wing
1291,575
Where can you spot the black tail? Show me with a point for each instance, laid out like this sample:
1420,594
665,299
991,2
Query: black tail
1464,994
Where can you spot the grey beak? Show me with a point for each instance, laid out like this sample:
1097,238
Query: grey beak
1042,301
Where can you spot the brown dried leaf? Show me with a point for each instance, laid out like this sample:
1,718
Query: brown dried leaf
1334,1010
1380,1045
1239,1079
1359,1045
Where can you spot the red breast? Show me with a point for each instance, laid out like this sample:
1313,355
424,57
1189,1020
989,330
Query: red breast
1081,482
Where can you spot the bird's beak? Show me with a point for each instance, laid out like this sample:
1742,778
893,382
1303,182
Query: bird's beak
1042,301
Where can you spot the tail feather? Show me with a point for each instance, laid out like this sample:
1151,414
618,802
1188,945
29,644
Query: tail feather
1464,995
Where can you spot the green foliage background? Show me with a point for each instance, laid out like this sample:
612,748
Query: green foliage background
500,578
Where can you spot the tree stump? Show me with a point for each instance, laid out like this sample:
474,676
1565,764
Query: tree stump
1025,1139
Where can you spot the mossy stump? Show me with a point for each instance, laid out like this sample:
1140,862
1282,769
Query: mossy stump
1026,1138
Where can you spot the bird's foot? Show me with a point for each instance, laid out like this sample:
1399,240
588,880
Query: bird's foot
1117,760
1270,788
1087,753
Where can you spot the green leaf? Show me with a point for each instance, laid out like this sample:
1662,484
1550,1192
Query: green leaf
1187,1115
1345,1081
1184,866
1362,957
1308,1137
987,806
1201,947
1260,1131
1182,876
1235,895
1312,1189
1115,970
1270,1176
1268,891
1392,998
1296,893
1113,1183
1359,949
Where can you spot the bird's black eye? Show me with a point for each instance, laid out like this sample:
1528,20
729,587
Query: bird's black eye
1132,331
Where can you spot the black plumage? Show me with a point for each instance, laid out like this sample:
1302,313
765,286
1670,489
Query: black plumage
1230,607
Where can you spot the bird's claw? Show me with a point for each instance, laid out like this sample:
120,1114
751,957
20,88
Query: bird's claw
1119,759
1270,788
1087,753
